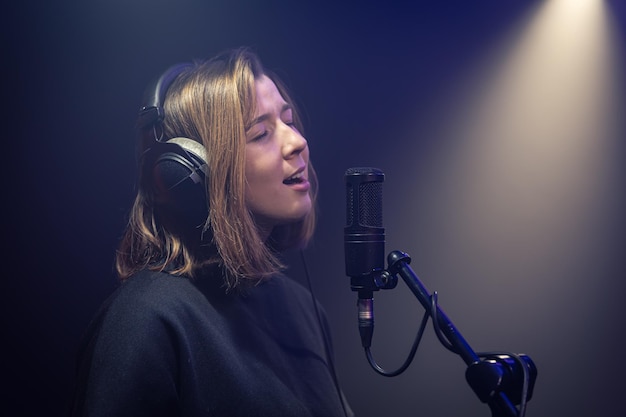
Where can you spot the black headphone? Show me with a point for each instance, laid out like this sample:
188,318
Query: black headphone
173,170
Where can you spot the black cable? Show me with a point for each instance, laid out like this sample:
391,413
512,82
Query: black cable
408,360
434,308
329,356
442,338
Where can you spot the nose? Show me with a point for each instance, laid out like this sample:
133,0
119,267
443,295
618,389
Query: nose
293,142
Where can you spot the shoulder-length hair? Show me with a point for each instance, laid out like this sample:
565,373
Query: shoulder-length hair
213,102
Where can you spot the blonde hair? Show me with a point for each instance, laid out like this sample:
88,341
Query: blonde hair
213,102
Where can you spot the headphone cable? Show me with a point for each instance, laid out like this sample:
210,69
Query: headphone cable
318,314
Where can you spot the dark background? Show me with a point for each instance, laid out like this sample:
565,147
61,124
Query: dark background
366,74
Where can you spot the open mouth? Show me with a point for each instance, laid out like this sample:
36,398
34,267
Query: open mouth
295,179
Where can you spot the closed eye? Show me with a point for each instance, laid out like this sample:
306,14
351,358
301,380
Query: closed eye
259,136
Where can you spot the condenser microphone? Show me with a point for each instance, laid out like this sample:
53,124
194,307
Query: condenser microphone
364,241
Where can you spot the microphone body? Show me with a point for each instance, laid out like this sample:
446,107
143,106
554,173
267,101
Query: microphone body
364,241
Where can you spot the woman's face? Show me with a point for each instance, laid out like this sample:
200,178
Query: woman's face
277,156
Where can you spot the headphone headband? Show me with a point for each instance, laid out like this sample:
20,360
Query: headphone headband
151,111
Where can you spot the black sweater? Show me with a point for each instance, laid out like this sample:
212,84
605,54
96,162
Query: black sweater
164,345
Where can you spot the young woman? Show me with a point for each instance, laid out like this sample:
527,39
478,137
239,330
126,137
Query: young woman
204,323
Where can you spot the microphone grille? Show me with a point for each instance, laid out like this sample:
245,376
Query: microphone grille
370,204
349,204
367,183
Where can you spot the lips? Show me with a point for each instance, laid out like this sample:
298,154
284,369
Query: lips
296,178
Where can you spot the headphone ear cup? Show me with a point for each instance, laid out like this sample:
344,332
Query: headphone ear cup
178,173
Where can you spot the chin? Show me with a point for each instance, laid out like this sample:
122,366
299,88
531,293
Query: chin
294,219
304,212
295,214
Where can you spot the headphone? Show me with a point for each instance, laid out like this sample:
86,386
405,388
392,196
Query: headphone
173,170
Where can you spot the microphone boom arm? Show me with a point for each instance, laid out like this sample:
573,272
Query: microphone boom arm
500,379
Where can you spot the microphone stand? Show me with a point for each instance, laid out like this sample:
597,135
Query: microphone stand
501,380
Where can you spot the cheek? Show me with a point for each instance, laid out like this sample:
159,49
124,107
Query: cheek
258,177
251,167
254,171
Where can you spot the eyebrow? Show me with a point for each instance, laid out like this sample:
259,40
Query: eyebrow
266,116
